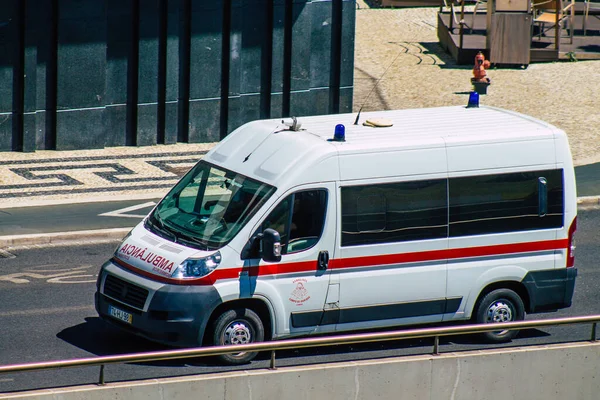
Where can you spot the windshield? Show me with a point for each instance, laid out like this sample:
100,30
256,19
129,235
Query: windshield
208,207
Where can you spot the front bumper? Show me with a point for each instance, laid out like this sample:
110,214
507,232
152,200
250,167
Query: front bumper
176,315
550,290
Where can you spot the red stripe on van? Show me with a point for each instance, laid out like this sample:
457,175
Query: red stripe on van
286,268
507,249
368,261
450,254
229,273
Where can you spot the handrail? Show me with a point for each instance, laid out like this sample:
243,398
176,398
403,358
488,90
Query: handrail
436,333
455,20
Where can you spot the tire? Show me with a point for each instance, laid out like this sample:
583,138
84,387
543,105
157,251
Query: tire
237,326
500,305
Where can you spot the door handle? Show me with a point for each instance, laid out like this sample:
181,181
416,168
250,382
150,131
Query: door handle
323,260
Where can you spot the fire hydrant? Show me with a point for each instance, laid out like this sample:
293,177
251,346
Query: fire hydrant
481,64
480,79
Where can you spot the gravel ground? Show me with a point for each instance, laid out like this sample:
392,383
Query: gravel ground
399,47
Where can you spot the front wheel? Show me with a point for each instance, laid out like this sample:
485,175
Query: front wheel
237,326
500,305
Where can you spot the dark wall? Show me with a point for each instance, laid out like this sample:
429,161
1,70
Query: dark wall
82,74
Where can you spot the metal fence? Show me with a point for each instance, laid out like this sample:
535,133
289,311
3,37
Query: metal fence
273,347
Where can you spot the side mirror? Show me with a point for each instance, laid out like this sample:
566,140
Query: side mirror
270,245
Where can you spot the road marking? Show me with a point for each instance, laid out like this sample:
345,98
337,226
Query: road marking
20,277
6,254
121,212
6,380
45,311
56,239
71,279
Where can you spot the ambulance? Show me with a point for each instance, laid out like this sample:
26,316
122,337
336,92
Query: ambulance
333,224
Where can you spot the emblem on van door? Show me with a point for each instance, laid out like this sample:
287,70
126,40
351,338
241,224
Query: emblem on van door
300,293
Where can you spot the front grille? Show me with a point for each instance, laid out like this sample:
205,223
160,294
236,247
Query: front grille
125,292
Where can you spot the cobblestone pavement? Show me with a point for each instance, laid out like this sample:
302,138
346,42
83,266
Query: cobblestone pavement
73,175
47,176
398,64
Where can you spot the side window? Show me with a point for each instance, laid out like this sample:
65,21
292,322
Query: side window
394,212
279,219
299,219
506,203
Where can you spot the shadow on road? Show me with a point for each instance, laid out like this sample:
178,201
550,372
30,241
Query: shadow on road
409,346
100,338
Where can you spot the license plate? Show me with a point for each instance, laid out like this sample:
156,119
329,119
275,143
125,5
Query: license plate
120,314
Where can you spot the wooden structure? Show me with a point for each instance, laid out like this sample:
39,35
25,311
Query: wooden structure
410,3
509,31
463,41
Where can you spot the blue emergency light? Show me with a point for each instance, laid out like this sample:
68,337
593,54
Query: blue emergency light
473,100
339,135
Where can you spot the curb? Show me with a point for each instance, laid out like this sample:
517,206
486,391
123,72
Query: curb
63,238
93,198
588,201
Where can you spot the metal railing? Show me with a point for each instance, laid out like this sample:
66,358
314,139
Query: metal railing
436,333
452,5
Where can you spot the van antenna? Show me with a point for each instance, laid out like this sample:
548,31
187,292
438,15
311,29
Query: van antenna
375,85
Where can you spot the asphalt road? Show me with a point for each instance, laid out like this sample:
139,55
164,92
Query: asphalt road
46,313
73,217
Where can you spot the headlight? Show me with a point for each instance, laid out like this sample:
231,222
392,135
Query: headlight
197,267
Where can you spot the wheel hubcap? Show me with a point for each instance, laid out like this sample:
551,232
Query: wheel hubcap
499,312
237,332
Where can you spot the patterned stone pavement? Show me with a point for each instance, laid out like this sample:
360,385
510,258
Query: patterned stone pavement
44,177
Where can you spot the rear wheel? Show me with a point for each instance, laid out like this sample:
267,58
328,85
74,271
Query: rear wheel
500,305
237,326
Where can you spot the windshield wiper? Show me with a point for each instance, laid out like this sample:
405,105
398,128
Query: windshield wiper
177,237
161,228
193,240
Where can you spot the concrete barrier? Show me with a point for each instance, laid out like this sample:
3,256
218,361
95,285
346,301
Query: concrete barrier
563,371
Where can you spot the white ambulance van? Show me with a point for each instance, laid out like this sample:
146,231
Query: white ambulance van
322,225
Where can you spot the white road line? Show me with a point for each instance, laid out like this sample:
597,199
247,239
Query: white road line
121,212
83,198
6,254
45,311
13,241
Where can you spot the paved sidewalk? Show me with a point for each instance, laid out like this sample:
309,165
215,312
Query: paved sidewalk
53,177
